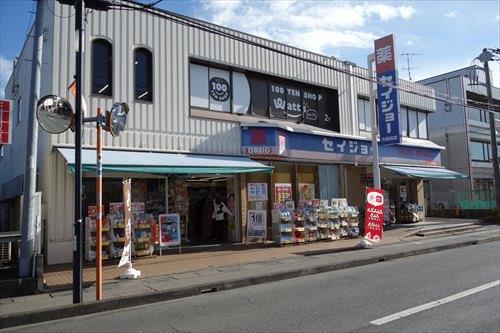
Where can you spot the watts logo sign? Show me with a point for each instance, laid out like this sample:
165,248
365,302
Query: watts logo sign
254,94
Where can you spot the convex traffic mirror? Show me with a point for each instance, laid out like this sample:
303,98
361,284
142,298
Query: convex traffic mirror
54,114
116,119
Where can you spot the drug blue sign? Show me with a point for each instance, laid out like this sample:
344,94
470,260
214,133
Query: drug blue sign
387,94
266,141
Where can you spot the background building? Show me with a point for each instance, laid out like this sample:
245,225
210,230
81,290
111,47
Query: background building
204,99
465,133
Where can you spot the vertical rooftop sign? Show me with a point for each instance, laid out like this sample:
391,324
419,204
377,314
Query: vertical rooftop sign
387,94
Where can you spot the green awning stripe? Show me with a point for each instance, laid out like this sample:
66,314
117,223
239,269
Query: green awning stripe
162,170
426,173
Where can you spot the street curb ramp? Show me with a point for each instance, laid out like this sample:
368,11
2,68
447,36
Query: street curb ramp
75,310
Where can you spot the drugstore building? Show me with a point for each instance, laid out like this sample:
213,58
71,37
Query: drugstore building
214,111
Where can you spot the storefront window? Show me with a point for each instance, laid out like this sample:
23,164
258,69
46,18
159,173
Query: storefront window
306,175
282,182
328,181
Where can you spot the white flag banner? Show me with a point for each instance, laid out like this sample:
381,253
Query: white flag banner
127,246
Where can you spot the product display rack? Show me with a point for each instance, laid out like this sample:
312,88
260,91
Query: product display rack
299,229
116,220
282,227
90,239
142,225
311,224
311,220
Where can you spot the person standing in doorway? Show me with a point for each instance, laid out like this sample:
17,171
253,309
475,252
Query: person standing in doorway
218,218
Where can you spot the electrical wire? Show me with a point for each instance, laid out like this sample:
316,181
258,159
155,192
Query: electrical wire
233,34
28,28
56,15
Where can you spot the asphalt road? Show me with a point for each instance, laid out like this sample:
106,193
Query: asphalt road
341,301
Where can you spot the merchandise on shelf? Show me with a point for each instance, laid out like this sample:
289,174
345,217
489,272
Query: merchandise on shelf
142,225
411,213
116,220
315,221
90,238
282,226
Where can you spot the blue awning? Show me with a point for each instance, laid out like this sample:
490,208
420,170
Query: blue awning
163,163
426,173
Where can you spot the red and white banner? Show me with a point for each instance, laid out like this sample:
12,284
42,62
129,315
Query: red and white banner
374,214
5,121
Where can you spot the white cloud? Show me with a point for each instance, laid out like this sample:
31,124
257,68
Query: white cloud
5,71
451,14
497,18
413,40
318,26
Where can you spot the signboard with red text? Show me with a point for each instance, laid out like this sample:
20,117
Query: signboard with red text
374,214
5,121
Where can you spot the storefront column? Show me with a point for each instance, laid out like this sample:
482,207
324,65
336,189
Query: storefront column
418,189
243,205
295,187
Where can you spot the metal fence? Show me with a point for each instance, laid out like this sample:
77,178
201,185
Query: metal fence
462,200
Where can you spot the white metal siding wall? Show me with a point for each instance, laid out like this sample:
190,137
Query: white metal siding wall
165,124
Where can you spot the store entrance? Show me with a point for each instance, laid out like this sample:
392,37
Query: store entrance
202,192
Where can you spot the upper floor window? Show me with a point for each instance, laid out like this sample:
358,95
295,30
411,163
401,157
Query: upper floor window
364,115
480,151
19,111
102,67
413,123
143,74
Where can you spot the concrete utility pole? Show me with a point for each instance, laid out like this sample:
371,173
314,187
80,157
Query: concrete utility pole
78,236
484,58
28,213
373,110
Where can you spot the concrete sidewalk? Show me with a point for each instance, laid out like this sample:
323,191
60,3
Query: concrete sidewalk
191,274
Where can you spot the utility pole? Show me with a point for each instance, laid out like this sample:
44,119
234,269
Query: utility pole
77,241
373,110
408,68
484,58
28,213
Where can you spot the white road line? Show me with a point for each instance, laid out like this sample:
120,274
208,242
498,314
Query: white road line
409,312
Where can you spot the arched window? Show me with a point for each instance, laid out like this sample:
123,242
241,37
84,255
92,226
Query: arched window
102,67
143,74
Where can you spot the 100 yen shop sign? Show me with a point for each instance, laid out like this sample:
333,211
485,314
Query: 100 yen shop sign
374,214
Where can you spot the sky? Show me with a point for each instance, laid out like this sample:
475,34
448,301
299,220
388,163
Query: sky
443,35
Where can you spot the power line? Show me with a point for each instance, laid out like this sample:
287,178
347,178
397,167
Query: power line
233,34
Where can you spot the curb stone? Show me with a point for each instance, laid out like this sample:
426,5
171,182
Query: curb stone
74,310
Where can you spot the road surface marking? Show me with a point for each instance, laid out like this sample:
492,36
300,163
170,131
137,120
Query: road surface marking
409,312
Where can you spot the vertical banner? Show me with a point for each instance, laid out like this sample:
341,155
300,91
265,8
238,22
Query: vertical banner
387,94
5,121
127,246
374,214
